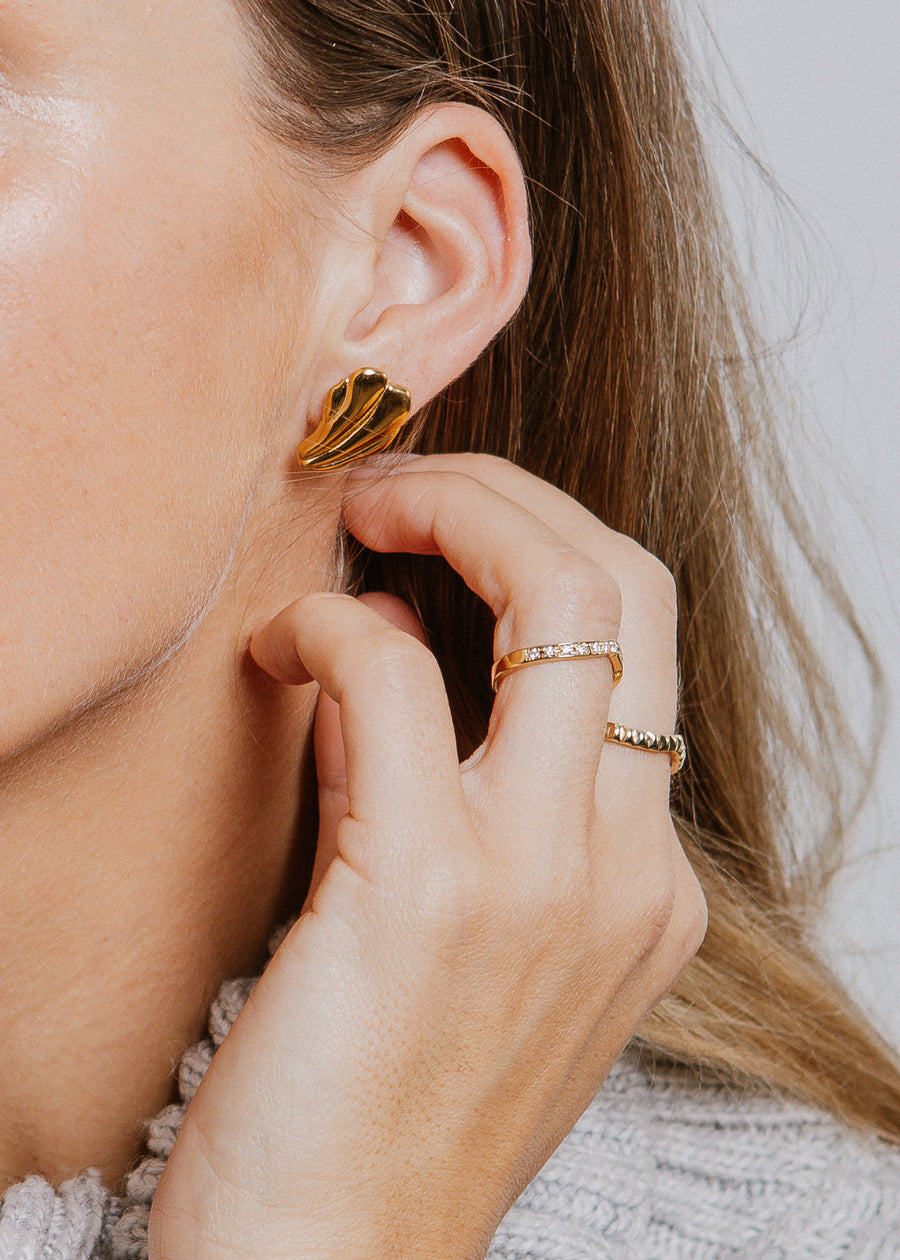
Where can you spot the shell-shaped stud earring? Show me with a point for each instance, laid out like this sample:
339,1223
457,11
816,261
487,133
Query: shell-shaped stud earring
362,416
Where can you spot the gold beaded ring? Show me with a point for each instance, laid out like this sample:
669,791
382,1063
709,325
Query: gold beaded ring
647,741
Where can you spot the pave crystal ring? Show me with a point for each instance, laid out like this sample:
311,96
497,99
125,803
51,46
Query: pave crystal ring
558,652
646,741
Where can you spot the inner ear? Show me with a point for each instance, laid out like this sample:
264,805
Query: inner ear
475,188
447,256
413,269
437,234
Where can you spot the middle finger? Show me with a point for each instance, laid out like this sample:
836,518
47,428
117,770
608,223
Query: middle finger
548,723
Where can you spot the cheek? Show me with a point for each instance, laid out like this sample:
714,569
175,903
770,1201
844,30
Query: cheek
133,414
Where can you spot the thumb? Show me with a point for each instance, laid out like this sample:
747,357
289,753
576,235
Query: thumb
331,770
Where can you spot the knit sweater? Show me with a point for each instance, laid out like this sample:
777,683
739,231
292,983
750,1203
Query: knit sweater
658,1168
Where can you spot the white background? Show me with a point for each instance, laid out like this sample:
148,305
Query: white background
814,87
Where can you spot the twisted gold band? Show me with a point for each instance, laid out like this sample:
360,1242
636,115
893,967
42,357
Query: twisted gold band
646,741
558,652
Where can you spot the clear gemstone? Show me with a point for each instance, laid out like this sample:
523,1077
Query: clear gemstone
548,651
532,654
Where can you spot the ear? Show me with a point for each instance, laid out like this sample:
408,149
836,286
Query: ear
439,256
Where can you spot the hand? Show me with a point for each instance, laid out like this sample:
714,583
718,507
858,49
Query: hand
482,939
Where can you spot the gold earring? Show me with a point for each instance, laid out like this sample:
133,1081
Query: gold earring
362,416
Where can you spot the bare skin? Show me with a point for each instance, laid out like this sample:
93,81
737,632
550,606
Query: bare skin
164,344
139,381
177,297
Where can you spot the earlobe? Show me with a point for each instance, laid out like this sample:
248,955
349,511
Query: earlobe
447,209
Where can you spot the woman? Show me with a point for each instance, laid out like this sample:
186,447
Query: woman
211,214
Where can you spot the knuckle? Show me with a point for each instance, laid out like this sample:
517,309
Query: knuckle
690,920
654,909
652,576
448,899
485,467
661,585
575,582
402,665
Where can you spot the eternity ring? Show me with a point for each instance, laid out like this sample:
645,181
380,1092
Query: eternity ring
558,652
674,745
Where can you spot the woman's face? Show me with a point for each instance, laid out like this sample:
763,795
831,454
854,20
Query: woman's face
154,320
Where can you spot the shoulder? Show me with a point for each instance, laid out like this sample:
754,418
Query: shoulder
663,1167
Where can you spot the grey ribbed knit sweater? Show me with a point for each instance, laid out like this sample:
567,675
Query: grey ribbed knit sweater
657,1169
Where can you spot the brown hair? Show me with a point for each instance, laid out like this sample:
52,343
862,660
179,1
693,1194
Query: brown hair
631,378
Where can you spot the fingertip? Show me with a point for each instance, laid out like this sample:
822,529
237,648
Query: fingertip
274,650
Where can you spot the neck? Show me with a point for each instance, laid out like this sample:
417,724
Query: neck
147,850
